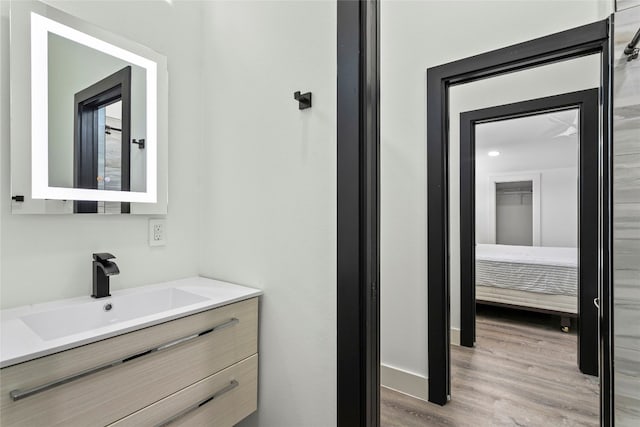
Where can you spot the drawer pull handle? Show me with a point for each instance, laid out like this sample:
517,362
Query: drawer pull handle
233,384
19,394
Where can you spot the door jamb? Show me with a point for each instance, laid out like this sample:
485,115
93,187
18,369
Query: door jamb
358,203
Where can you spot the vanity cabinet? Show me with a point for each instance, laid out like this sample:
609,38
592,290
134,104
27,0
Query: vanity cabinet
196,370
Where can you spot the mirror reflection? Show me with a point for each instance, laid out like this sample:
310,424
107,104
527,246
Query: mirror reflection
97,122
110,156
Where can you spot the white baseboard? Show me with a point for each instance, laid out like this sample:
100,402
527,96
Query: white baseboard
404,382
455,336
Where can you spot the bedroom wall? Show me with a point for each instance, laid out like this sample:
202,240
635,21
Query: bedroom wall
558,191
418,35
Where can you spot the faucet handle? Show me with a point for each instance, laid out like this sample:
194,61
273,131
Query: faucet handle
103,256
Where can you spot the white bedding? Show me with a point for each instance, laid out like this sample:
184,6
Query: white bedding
565,257
541,270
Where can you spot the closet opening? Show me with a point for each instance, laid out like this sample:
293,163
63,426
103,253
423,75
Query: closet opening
514,213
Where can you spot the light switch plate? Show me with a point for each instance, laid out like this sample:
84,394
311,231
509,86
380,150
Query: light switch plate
157,232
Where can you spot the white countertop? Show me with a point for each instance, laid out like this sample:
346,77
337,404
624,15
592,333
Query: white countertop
19,343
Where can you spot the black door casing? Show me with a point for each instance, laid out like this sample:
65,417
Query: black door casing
586,102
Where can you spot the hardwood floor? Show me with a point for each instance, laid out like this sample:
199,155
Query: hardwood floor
522,372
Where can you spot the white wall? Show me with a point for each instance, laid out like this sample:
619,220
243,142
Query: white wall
252,185
558,189
268,216
415,36
48,257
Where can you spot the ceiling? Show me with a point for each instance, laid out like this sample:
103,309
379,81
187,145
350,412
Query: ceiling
540,128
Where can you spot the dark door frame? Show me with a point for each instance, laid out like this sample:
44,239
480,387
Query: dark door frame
87,102
358,263
586,101
577,42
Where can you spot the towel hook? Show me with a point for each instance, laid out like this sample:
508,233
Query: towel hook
304,100
140,143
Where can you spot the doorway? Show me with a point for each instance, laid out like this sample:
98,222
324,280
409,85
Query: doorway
574,43
546,274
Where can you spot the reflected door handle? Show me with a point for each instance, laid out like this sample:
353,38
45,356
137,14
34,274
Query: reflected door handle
596,302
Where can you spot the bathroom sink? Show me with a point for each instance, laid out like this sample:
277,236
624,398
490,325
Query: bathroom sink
64,321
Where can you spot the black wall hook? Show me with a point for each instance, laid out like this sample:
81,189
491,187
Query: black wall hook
140,143
304,100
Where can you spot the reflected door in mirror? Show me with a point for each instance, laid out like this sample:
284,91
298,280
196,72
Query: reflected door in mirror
101,140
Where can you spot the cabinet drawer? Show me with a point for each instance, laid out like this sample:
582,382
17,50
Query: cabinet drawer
115,392
235,395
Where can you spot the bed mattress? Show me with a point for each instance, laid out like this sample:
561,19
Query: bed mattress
543,270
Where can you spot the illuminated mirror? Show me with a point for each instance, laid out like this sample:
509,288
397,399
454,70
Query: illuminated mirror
97,144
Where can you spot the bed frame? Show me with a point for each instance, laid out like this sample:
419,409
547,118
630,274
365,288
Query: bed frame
563,306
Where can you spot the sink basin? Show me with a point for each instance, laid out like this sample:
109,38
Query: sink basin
36,330
64,321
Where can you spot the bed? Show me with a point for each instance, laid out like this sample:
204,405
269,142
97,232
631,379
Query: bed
530,277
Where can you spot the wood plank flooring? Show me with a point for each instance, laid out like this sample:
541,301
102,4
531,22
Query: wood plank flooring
522,372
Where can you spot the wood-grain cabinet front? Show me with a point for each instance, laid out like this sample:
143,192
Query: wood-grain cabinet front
198,370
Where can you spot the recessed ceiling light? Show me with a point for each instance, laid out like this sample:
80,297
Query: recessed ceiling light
493,153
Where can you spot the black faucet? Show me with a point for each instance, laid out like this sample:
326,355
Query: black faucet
102,269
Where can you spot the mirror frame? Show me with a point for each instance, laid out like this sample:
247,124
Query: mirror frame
29,139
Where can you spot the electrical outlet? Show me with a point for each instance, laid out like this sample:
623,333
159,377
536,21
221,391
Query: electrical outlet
157,232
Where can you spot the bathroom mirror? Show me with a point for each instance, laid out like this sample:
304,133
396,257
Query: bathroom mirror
88,122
